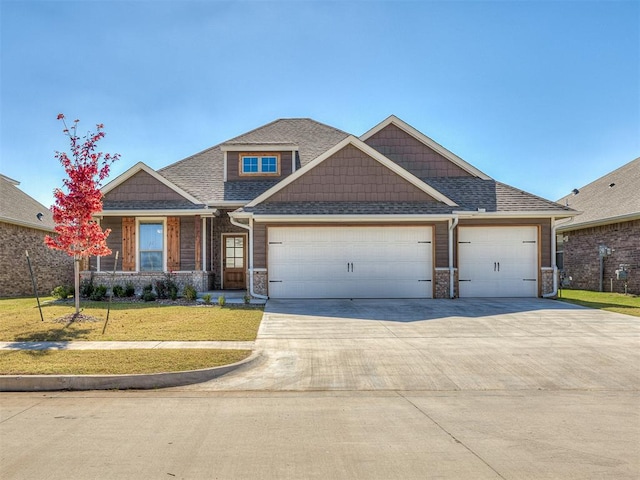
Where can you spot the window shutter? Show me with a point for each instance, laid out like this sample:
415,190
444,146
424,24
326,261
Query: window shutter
128,244
173,243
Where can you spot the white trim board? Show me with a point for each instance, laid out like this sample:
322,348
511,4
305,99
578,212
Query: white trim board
422,138
366,149
140,166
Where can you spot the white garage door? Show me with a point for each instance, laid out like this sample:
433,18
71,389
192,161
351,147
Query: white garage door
498,261
350,262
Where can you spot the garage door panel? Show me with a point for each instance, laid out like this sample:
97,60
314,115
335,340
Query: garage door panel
498,261
350,262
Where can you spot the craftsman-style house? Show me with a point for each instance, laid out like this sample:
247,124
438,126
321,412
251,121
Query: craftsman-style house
299,209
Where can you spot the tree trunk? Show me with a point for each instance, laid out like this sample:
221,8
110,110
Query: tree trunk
76,275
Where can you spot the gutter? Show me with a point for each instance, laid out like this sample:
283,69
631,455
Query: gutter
452,225
554,293
249,227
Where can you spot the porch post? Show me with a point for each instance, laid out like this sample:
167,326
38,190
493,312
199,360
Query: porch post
198,235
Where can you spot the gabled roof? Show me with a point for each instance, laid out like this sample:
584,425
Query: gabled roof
18,208
202,174
473,193
613,198
421,137
140,166
374,154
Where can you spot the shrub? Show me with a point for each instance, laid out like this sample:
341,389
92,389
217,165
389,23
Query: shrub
86,288
129,289
247,298
118,291
62,292
149,296
190,292
98,293
167,288
207,298
222,300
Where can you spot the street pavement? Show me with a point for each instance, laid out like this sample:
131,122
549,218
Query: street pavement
463,389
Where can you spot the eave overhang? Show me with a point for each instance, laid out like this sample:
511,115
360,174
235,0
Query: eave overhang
598,223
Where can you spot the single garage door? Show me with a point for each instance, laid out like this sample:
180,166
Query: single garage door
498,261
350,262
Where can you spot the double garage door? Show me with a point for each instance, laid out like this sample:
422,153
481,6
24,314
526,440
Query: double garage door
350,262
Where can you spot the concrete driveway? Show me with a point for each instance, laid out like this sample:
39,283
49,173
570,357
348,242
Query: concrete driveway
440,345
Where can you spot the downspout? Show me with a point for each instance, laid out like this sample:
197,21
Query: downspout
250,269
452,225
554,293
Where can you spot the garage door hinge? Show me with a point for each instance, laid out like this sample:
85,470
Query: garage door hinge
428,241
275,243
275,281
464,242
528,241
424,280
461,280
528,279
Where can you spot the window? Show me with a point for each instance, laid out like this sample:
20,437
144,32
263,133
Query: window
259,164
151,247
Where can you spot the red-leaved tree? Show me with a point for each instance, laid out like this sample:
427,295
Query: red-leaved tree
77,232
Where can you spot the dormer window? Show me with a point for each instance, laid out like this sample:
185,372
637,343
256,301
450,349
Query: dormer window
259,163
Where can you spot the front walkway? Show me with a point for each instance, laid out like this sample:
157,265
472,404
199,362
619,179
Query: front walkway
82,345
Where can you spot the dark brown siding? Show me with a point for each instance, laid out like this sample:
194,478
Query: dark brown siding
187,244
114,242
141,187
413,155
259,245
350,175
441,247
543,223
221,224
233,165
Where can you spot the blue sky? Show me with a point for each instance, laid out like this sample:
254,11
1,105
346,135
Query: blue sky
542,95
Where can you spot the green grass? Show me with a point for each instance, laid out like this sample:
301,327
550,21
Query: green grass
20,322
612,302
113,362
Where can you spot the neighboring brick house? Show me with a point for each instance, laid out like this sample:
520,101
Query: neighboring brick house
610,219
297,208
23,225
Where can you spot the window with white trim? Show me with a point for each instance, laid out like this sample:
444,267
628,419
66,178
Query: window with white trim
260,164
151,246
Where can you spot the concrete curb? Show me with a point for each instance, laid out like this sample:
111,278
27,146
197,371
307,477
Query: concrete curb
44,383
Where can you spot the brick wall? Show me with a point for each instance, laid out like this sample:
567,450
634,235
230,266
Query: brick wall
50,267
582,262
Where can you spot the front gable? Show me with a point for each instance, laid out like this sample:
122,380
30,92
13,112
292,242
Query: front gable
352,172
350,175
416,152
141,187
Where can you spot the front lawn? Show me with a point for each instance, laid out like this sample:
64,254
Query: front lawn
113,362
613,302
20,322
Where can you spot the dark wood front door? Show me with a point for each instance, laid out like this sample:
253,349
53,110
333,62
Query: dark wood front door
234,262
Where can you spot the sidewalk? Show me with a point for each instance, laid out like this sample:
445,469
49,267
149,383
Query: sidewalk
122,345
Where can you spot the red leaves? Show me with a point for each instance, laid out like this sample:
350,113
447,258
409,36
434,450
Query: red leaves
77,232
